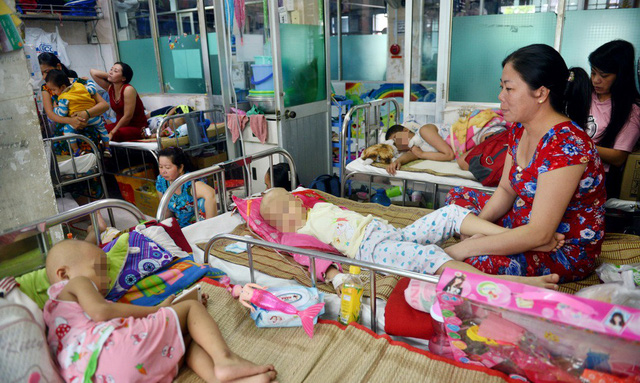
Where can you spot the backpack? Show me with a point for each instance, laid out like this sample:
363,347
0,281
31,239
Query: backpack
327,183
486,159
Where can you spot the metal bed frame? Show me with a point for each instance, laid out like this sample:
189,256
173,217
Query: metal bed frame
371,112
218,173
197,144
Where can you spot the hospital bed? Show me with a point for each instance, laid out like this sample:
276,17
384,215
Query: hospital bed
139,159
363,126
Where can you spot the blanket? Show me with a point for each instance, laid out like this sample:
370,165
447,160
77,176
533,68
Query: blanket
437,168
335,354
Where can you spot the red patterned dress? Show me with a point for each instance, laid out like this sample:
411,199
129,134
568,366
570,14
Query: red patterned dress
583,222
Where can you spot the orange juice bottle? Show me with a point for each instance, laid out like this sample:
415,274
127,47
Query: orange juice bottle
352,290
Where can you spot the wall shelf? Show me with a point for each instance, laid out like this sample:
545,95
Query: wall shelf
58,12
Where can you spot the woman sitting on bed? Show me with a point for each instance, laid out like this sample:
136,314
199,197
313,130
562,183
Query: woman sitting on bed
172,163
553,178
424,144
125,102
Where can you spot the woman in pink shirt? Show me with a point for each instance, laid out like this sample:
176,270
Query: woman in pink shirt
614,120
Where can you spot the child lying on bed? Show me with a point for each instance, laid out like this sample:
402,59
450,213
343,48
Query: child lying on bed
425,143
96,340
373,239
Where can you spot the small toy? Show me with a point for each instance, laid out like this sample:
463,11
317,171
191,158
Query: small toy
257,295
384,153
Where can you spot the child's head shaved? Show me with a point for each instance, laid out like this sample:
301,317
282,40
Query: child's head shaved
68,253
282,210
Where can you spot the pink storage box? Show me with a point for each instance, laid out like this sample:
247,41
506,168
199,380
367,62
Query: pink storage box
537,334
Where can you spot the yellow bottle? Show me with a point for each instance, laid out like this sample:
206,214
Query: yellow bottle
352,290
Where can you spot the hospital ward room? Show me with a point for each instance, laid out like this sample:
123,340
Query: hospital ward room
254,191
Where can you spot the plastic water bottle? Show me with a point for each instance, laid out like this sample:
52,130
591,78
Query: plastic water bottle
352,290
394,191
381,198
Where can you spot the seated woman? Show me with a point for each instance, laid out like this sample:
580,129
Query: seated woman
614,118
78,121
425,144
125,102
553,178
173,163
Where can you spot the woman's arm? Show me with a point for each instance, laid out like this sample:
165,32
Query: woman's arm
462,161
129,107
209,194
430,134
614,157
99,108
98,309
47,105
553,194
502,199
404,158
100,77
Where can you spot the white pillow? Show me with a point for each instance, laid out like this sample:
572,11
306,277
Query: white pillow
160,236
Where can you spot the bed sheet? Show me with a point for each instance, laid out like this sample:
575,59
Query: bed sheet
150,146
202,231
358,165
84,163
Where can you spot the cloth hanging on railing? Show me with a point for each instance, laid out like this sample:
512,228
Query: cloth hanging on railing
236,124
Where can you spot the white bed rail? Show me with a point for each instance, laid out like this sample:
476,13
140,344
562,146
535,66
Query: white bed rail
372,267
218,172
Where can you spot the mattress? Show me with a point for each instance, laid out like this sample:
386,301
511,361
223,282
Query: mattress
202,231
151,144
84,163
358,165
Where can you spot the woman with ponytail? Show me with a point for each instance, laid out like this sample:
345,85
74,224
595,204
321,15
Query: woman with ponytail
614,120
49,62
553,178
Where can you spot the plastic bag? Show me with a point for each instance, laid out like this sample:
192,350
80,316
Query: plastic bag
623,293
609,272
47,42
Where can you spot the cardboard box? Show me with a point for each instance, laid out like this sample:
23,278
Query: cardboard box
147,200
631,178
205,162
131,180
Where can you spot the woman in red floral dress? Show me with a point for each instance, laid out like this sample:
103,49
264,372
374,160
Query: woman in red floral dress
553,179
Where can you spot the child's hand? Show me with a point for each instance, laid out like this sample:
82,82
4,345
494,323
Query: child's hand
393,167
168,301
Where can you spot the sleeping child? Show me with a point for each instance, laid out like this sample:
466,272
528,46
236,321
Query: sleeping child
372,239
100,341
424,143
76,99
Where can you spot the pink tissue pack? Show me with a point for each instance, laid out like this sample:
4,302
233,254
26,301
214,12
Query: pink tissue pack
537,334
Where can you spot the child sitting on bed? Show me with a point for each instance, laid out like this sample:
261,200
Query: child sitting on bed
97,340
424,143
372,239
173,163
76,99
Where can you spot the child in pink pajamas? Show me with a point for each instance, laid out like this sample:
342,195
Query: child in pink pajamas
101,341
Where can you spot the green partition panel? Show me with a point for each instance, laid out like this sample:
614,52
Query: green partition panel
303,63
181,59
139,54
333,53
480,43
214,64
584,31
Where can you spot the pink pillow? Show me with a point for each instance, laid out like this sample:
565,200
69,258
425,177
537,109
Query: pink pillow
249,209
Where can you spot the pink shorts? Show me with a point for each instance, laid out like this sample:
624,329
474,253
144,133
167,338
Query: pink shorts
142,350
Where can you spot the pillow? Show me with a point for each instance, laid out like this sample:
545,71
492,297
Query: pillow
36,283
401,319
143,257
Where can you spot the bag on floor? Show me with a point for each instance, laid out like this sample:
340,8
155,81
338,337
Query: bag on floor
327,183
486,159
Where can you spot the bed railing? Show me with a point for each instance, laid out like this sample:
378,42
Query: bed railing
314,254
40,228
370,114
198,139
218,172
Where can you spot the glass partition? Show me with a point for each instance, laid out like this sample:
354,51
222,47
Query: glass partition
480,43
135,45
586,30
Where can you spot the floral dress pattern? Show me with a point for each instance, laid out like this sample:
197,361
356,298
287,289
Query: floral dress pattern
182,204
563,145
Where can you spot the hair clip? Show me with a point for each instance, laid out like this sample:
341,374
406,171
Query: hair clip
572,76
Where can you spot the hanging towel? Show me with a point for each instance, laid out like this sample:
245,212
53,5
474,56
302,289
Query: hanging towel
236,124
258,123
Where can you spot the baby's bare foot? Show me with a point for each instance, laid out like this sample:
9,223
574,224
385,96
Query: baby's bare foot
235,367
549,281
260,378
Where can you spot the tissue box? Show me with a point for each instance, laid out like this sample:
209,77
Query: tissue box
537,334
